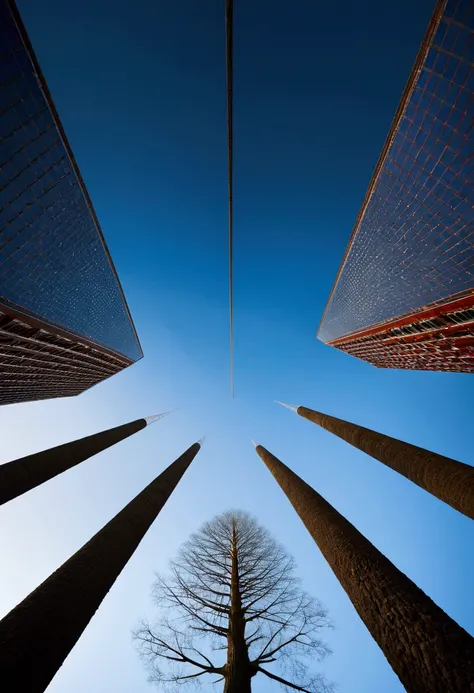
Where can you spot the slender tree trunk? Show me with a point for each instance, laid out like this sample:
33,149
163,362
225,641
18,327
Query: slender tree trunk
19,476
38,634
447,479
238,674
429,651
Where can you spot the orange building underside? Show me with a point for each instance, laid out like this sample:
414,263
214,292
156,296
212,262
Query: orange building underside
436,338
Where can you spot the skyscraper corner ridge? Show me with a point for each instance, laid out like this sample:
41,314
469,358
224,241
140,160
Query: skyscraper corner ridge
69,349
403,296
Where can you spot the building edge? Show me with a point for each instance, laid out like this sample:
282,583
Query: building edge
406,94
55,115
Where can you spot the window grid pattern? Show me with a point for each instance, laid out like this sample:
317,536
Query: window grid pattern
435,353
53,260
435,340
37,364
414,243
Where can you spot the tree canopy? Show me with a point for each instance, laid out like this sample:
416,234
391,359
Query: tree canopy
232,591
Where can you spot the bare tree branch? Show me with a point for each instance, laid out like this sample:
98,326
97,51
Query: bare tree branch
283,682
228,573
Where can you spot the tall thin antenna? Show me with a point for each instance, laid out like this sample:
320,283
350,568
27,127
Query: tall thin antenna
229,17
293,407
156,417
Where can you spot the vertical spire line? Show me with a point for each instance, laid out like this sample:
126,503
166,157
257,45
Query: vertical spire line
229,16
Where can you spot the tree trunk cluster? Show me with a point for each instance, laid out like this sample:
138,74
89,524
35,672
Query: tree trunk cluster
427,649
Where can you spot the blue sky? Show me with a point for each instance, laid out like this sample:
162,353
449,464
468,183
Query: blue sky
140,89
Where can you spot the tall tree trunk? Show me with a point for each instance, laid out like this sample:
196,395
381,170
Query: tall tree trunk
238,674
19,476
429,651
447,479
38,634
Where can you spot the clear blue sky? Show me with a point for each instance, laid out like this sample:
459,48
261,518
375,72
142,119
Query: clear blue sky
140,89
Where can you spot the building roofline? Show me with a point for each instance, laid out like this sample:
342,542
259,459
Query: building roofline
49,100
407,92
457,301
37,321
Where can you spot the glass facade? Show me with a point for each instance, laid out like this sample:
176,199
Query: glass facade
53,260
413,243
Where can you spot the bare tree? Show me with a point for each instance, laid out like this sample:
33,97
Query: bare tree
232,589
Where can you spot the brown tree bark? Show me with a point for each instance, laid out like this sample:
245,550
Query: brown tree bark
238,673
429,651
19,476
443,477
38,634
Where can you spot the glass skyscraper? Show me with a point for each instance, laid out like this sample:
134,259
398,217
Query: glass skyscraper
404,294
64,321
